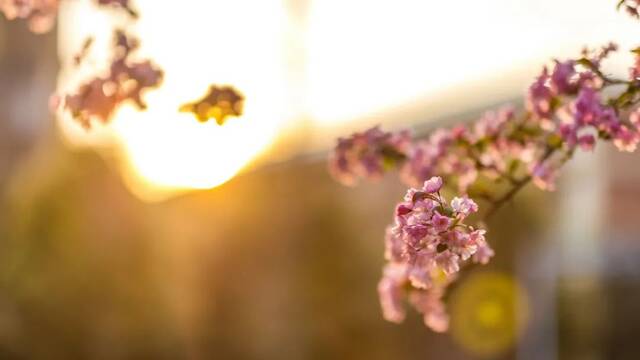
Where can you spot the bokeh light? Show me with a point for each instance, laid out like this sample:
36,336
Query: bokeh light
488,312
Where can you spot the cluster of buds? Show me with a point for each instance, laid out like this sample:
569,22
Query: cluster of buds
368,154
425,249
99,97
126,80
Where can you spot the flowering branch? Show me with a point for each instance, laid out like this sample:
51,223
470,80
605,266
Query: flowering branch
429,241
425,249
508,196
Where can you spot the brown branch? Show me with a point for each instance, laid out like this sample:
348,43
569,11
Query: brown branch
497,204
517,186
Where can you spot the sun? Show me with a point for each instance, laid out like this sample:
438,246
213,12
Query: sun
164,152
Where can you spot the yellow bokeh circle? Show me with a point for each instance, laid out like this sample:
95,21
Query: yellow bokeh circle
488,312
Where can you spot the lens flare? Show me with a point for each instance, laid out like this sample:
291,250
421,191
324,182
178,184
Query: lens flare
488,312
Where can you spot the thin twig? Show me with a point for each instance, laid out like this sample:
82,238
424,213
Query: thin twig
517,186
497,204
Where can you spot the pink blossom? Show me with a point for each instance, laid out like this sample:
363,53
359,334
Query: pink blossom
126,81
403,209
477,236
432,185
420,277
366,154
394,246
440,223
464,206
587,107
461,244
563,77
448,262
391,293
609,121
467,174
424,205
544,176
625,139
415,233
420,247
421,269
430,304
483,254
437,319
491,123
540,96
569,134
410,196
587,142
421,163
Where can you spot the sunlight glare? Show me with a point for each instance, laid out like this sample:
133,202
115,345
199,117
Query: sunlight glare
234,43
370,56
329,65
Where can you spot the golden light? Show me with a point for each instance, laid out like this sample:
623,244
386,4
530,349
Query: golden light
197,44
331,63
488,313
366,57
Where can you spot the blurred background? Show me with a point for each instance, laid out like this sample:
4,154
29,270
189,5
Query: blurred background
159,237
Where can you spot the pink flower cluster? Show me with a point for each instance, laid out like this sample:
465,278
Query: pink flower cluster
126,80
462,153
98,98
568,107
425,248
565,110
368,154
